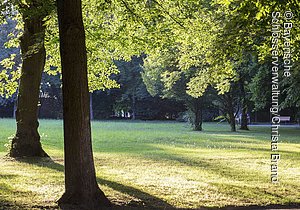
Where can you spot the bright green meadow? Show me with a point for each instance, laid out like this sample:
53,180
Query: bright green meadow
159,165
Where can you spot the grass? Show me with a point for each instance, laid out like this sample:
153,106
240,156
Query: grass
160,165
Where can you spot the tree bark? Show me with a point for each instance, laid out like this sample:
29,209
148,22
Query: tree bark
232,121
198,112
230,111
26,142
244,120
81,188
198,120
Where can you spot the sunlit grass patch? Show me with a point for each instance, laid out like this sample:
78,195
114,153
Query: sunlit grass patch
158,165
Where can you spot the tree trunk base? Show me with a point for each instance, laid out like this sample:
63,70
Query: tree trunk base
197,128
25,148
233,127
75,200
244,128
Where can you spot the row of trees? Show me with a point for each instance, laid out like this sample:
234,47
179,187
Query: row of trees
133,97
191,47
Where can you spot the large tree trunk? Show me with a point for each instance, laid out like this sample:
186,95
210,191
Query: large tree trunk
26,142
81,186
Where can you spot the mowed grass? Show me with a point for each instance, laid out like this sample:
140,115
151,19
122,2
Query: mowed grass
159,165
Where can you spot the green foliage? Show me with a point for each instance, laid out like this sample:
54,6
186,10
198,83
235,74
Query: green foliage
120,29
162,77
9,68
247,28
261,95
248,25
130,77
152,76
13,13
292,89
205,41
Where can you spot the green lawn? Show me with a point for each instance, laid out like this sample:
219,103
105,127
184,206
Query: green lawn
158,165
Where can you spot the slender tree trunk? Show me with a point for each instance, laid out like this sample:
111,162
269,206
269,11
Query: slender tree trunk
244,120
198,120
232,122
198,112
81,188
133,107
26,142
230,111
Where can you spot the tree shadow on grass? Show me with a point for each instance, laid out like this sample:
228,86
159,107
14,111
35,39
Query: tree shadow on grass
8,194
6,190
144,200
229,172
214,166
45,162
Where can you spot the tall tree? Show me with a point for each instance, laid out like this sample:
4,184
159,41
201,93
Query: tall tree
27,139
81,186
227,104
163,78
245,70
132,86
247,27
